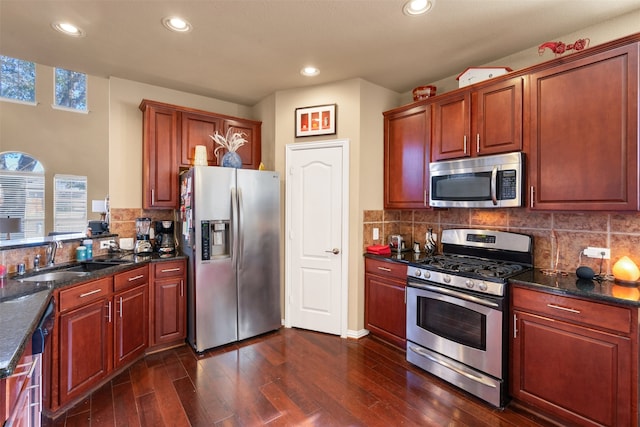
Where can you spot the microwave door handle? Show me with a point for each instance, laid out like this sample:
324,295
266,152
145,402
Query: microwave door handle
494,182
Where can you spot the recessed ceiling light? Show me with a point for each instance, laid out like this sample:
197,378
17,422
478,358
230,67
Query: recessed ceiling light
417,7
176,24
68,29
309,71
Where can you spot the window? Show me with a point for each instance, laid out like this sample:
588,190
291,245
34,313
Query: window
17,80
71,89
22,193
69,203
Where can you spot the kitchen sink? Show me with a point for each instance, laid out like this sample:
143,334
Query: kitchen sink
52,276
91,266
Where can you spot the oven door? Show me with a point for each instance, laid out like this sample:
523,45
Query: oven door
461,326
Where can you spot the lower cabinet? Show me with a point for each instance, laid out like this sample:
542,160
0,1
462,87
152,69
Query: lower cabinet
20,392
103,325
385,300
168,323
575,359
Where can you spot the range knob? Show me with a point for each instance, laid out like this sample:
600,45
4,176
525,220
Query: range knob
469,284
446,279
427,275
417,273
482,286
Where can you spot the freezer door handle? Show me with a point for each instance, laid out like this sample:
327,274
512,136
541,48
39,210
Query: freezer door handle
234,219
240,228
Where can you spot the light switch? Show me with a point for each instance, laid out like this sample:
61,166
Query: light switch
376,233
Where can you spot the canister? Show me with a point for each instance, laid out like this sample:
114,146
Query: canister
88,243
81,253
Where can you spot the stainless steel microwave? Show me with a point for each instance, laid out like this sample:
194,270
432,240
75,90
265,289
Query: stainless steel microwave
478,182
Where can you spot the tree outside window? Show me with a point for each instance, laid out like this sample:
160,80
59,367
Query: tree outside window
71,89
17,79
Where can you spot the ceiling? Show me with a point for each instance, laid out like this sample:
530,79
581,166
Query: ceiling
244,50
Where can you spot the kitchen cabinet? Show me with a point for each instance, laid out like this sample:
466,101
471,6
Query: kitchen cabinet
20,392
407,144
160,163
131,315
85,336
168,317
103,326
484,120
584,133
385,300
170,135
575,359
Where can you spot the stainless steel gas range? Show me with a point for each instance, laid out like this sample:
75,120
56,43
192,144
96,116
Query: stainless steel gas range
457,309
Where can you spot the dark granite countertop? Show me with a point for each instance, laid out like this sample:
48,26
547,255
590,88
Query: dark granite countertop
569,284
22,303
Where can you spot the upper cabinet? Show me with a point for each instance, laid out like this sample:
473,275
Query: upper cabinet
584,133
170,136
407,141
486,120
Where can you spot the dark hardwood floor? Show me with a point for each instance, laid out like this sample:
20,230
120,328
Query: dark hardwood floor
290,377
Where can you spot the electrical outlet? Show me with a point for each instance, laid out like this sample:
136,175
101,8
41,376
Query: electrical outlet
592,252
376,233
105,244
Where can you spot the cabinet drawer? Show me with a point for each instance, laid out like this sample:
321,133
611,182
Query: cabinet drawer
573,309
137,276
169,269
85,293
386,268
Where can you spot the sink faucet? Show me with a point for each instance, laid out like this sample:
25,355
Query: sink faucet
36,262
51,251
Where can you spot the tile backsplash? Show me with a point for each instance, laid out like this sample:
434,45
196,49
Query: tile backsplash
123,223
559,237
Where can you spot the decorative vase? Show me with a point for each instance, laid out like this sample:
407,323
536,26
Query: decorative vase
231,159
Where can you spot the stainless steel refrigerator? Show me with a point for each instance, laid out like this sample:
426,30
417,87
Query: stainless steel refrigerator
231,234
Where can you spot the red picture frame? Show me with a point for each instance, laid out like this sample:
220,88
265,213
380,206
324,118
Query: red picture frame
316,120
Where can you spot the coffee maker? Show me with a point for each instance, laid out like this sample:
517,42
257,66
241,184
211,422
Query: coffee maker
143,239
165,238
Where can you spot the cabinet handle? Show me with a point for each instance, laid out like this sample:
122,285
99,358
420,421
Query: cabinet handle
153,196
531,194
181,288
515,326
86,294
424,202
120,311
384,269
465,144
559,307
169,270
477,143
109,311
139,276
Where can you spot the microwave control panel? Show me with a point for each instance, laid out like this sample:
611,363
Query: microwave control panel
507,185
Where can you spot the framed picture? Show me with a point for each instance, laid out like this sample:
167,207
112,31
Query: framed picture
318,120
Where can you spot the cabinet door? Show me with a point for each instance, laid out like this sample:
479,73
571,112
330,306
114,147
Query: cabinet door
160,157
407,141
575,372
385,309
131,321
584,133
251,151
85,348
196,130
170,304
496,117
451,119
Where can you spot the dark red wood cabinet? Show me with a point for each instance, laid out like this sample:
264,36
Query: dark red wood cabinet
407,145
384,296
575,359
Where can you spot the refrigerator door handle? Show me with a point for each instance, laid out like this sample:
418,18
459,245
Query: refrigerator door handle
240,228
234,224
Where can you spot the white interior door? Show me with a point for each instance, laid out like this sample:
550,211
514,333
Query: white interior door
317,236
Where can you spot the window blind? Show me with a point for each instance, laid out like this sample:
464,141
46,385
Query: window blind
22,196
69,203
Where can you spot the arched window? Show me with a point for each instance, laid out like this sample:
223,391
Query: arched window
22,192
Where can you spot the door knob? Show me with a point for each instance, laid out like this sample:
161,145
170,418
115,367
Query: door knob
334,251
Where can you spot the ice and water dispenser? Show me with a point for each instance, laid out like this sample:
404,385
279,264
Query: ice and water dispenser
215,239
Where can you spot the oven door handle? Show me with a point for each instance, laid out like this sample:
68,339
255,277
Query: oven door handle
494,185
455,294
447,365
